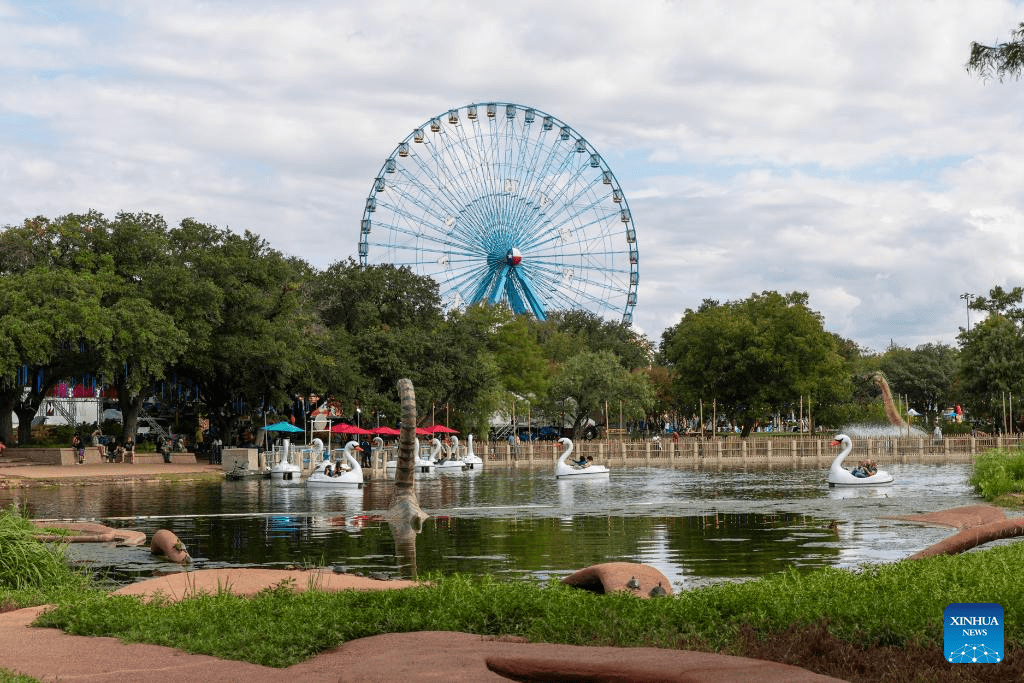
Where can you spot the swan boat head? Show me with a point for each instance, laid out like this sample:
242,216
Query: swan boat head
840,476
564,469
350,448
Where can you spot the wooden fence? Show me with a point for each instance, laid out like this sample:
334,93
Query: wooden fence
754,451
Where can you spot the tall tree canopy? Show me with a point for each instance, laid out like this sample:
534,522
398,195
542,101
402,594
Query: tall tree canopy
564,333
926,375
1002,60
586,381
991,364
754,357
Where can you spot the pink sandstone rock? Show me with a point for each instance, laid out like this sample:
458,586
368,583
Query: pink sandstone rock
638,579
978,524
88,532
167,544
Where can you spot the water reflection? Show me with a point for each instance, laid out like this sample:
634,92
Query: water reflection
695,526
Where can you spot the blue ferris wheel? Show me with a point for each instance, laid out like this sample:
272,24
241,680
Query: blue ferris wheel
499,202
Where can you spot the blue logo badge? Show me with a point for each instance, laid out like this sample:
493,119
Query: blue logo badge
973,632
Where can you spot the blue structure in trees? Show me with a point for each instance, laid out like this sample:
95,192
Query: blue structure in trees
499,202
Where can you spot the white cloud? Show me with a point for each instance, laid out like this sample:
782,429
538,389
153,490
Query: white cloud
837,148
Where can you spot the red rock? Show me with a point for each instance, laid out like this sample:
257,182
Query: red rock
638,579
165,543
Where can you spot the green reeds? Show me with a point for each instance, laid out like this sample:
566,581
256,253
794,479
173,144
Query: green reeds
31,571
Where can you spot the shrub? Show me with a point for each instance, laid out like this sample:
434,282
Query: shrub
998,472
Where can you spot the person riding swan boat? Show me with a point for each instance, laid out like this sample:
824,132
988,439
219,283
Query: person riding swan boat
564,469
337,477
864,475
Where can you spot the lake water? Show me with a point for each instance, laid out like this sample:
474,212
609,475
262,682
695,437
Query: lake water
697,527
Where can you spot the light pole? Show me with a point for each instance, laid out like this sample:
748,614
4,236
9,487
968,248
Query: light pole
967,296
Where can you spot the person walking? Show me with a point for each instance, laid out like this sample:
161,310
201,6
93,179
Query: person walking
79,446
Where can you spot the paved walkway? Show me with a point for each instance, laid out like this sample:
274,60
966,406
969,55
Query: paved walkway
16,475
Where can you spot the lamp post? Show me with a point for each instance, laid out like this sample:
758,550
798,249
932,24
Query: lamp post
967,296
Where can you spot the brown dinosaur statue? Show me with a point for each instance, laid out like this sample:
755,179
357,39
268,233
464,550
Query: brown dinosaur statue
891,411
404,514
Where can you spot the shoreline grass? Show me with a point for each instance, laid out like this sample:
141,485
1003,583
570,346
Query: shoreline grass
898,605
879,605
998,476
31,572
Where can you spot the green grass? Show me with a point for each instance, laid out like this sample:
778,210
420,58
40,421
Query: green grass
998,474
32,573
8,676
895,604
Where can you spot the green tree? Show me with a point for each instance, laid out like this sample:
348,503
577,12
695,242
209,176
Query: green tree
1001,302
357,298
991,365
564,333
148,308
587,380
1002,60
390,319
755,356
52,284
253,340
926,375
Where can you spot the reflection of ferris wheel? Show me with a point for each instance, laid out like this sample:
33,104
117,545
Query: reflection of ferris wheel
503,203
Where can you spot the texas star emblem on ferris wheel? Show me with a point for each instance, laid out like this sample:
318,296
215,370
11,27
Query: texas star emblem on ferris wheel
499,202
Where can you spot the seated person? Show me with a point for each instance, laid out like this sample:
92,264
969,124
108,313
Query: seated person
582,462
861,470
328,470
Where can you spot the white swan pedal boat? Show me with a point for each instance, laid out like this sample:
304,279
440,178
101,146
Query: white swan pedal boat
451,461
284,471
472,460
424,461
840,476
351,477
566,470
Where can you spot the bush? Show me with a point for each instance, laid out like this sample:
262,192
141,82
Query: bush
998,472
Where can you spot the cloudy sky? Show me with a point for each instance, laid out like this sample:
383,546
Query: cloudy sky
837,148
